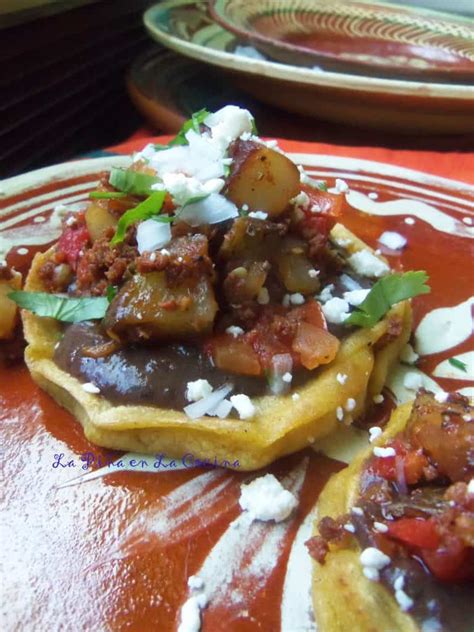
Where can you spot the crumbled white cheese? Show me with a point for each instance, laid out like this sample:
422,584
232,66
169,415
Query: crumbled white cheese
470,487
374,433
23,251
266,499
297,298
234,331
243,405
229,123
164,252
404,601
295,397
349,527
373,195
408,354
326,294
441,397
467,417
412,381
272,144
373,560
380,527
70,221
301,200
286,300
357,511
257,214
383,453
399,582
343,243
367,264
350,404
467,220
145,154
313,273
341,378
340,413
336,310
195,582
378,399
355,297
409,220
341,186
263,297
191,613
392,240
91,388
199,389
287,377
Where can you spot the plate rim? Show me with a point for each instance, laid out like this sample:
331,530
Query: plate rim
220,16
294,74
26,181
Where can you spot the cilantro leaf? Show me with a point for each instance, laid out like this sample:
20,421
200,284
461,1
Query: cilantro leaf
133,182
106,195
458,364
193,123
111,292
387,292
69,310
145,210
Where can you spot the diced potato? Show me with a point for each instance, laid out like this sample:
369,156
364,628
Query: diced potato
8,309
251,240
316,346
147,309
98,220
235,356
263,179
295,269
242,285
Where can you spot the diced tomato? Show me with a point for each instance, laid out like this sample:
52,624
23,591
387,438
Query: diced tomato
315,345
451,561
323,211
418,532
71,243
310,312
413,463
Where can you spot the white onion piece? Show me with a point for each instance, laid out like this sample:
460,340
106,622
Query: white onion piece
349,283
209,403
281,363
152,235
222,409
212,210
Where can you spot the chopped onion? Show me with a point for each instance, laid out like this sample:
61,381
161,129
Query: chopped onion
209,403
349,283
152,235
211,210
281,363
222,409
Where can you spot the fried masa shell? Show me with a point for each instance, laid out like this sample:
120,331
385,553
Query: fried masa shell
280,426
343,598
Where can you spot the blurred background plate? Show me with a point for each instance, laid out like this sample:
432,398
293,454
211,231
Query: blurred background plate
380,103
364,37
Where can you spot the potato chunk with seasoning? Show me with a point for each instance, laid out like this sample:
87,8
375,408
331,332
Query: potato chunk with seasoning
262,178
147,309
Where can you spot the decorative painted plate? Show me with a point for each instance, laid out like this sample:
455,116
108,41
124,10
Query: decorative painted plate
375,102
94,539
372,38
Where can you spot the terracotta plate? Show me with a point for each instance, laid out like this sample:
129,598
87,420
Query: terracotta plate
365,101
89,545
371,38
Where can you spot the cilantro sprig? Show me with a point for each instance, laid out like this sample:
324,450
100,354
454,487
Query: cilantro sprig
387,292
133,182
145,210
64,308
194,123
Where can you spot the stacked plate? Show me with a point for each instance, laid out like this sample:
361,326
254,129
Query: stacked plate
371,64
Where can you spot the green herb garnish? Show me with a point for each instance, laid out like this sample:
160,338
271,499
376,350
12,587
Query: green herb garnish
145,210
132,182
458,364
111,292
106,195
387,292
254,127
69,310
194,123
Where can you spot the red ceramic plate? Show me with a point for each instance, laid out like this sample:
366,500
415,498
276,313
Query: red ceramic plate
92,545
372,38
